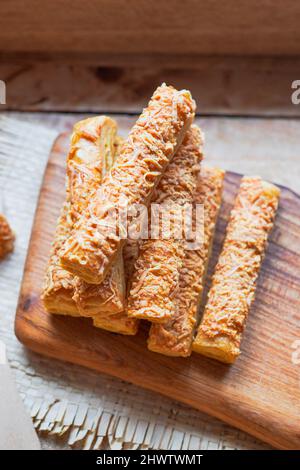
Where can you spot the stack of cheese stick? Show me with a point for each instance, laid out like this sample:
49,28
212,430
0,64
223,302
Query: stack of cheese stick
96,271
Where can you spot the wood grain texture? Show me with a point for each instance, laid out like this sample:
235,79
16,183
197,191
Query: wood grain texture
259,394
228,85
142,27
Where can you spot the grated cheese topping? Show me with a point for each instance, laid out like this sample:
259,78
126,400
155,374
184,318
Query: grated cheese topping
92,246
234,281
176,335
155,279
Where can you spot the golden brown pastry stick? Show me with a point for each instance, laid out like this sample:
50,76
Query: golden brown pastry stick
92,152
94,244
233,284
130,255
91,157
175,337
120,323
7,237
59,284
156,276
107,298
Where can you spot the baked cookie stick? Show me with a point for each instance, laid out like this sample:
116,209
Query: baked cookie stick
156,275
7,237
92,152
175,337
99,235
233,284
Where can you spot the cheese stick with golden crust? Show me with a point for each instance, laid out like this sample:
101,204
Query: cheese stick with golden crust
59,284
99,236
120,322
130,255
92,152
117,323
107,298
156,275
85,171
175,337
234,281
7,237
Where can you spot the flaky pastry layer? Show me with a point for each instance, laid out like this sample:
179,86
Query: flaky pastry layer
93,148
234,281
106,298
120,322
58,287
117,323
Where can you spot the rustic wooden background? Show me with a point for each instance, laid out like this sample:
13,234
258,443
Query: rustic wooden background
239,86
118,27
238,58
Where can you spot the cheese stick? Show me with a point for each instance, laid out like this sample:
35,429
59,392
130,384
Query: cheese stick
117,323
120,323
7,237
130,255
99,236
59,284
85,171
103,299
175,337
156,275
92,152
233,284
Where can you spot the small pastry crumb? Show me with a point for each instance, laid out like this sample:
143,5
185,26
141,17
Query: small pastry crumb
7,237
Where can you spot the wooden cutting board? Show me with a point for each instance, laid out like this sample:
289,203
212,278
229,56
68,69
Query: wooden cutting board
260,394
